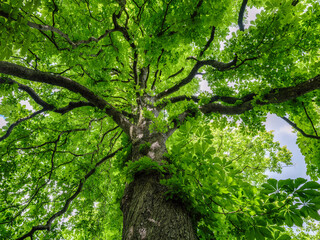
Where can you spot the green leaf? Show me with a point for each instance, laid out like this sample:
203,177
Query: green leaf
265,232
286,185
288,219
284,237
311,192
310,185
313,213
250,234
298,182
297,220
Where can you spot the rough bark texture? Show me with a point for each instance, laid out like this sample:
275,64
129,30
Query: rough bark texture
148,215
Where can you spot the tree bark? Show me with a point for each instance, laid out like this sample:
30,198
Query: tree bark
148,215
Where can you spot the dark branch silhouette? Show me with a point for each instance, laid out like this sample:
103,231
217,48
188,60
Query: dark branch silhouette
28,90
277,95
241,14
305,110
292,124
213,63
67,83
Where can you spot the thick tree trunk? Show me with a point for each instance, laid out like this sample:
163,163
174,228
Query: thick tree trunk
148,215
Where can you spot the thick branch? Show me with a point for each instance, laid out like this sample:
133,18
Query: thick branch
68,201
292,124
73,86
213,63
196,99
241,13
277,95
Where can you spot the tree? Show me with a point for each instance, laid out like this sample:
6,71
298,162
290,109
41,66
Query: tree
118,122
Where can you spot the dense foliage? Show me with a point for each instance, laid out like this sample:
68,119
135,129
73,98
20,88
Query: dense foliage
94,71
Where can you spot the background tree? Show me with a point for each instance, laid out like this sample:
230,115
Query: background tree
118,122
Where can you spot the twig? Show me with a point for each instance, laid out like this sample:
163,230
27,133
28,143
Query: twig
299,129
305,110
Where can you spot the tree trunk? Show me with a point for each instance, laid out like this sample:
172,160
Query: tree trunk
148,215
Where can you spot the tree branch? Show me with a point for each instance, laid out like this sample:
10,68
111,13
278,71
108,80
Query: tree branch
241,13
62,34
64,82
213,63
8,132
196,99
161,31
209,41
176,74
63,110
69,200
305,110
277,95
28,90
292,124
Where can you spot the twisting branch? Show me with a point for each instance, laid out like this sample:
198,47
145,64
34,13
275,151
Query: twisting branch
28,90
63,110
213,63
244,61
292,124
66,37
241,13
8,132
196,99
129,39
43,27
89,11
209,41
69,200
277,95
67,83
52,79
36,59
